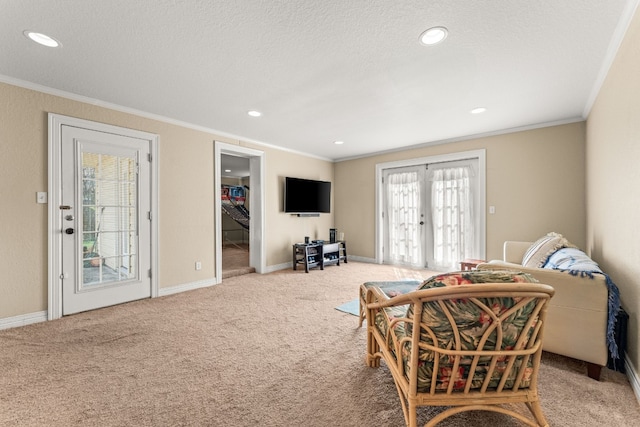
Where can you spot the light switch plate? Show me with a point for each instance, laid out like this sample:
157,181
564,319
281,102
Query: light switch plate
41,197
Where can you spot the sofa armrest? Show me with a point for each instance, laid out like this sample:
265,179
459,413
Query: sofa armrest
514,251
496,264
571,291
577,314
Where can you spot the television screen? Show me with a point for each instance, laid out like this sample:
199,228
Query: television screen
306,196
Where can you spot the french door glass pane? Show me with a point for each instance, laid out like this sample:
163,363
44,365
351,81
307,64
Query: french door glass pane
403,215
109,234
452,216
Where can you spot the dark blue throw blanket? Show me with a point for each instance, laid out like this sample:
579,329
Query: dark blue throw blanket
577,263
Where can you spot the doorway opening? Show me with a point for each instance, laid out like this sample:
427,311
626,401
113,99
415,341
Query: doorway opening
236,218
239,207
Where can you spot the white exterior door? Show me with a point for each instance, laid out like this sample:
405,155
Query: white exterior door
105,216
453,213
404,216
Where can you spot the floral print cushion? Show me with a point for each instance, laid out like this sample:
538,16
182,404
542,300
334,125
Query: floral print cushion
384,318
391,289
471,323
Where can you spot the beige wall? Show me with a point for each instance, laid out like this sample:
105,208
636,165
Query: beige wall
613,177
535,179
283,230
186,196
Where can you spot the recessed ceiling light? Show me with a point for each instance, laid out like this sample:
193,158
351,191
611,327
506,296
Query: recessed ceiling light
338,142
227,170
42,39
433,36
254,113
478,110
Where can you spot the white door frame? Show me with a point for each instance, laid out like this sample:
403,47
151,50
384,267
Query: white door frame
482,196
256,203
56,121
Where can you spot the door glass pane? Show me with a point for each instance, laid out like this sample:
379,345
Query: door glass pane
109,234
453,214
403,206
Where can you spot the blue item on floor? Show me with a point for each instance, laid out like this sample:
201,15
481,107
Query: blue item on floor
351,307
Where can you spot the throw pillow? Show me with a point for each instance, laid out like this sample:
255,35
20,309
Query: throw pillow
538,253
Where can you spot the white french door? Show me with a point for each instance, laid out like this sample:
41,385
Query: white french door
404,216
432,214
454,214
105,216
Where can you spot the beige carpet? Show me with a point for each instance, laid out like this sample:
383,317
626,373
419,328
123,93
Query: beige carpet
268,350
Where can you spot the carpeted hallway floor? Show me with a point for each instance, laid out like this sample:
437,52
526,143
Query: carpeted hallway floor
235,260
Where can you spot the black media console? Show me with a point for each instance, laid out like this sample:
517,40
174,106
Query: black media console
319,254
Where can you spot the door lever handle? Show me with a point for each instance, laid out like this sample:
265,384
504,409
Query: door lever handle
69,231
65,207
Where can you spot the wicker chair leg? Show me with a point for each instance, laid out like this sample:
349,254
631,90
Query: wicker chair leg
373,351
536,410
407,410
372,361
412,410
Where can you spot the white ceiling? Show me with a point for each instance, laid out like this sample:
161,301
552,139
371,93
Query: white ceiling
323,70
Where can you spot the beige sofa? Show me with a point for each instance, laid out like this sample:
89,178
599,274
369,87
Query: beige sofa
577,314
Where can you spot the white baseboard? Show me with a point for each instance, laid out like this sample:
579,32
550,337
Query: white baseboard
23,319
361,259
41,316
187,287
278,267
634,379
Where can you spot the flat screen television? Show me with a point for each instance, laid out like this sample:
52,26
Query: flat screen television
306,196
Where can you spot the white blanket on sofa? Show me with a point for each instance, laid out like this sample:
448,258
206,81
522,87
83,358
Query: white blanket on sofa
576,262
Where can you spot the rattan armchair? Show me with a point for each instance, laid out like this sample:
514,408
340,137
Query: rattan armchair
461,345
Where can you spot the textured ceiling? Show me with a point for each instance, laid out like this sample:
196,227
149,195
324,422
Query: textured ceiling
326,70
